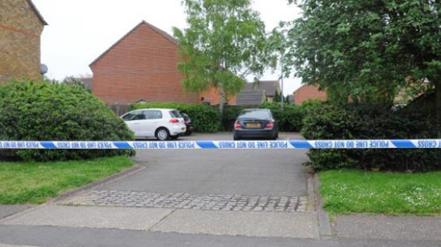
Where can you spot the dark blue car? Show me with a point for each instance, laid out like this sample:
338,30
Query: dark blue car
256,124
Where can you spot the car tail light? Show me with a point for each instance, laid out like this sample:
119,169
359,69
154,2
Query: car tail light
174,120
269,125
237,125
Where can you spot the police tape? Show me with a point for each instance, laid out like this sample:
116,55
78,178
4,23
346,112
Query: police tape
210,144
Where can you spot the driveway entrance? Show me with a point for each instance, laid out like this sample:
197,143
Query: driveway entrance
254,193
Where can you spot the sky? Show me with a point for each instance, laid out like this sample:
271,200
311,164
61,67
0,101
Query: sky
81,30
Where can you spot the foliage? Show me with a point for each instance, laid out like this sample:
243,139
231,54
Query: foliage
36,182
204,118
50,111
70,80
230,115
225,42
370,122
350,191
365,50
278,97
289,118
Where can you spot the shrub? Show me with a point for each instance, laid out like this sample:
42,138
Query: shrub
310,105
51,111
230,115
205,118
370,122
289,119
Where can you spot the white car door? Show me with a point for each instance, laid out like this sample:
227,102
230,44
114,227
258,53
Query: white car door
136,121
153,121
129,120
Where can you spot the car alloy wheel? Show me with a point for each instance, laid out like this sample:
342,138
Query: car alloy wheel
162,134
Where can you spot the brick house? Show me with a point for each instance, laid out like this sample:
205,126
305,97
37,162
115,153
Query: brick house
142,65
256,93
21,26
308,92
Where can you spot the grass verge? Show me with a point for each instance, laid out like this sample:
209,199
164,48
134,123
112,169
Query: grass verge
35,182
352,191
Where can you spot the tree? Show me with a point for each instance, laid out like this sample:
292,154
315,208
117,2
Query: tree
366,50
277,97
225,41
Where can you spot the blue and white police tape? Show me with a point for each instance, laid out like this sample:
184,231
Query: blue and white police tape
210,144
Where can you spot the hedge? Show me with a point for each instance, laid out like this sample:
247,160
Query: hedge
53,111
352,121
205,118
289,118
229,117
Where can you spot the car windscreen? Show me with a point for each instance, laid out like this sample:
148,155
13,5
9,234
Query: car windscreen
255,114
175,114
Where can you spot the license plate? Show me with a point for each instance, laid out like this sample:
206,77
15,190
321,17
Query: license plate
253,125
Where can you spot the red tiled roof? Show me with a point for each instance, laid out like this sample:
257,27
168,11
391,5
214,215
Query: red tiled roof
159,31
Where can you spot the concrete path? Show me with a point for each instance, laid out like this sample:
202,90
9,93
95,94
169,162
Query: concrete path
8,210
254,224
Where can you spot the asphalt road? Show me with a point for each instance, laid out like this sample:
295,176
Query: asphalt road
271,173
245,172
76,237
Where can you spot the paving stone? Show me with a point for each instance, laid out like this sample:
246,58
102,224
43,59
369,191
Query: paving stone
186,201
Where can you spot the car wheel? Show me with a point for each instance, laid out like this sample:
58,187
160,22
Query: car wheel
236,138
162,134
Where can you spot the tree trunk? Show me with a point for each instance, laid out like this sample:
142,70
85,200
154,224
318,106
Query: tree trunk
222,100
438,106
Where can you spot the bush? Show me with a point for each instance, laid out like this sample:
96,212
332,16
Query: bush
51,111
289,119
310,105
370,122
230,115
205,118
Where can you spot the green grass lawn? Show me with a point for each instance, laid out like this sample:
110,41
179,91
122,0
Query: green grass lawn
350,191
37,182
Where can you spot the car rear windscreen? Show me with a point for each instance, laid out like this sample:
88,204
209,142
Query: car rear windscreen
255,115
175,114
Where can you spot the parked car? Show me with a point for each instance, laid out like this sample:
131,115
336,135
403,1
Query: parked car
188,124
162,124
255,123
